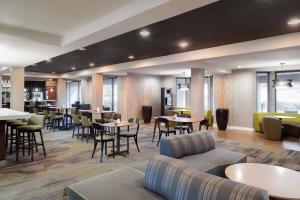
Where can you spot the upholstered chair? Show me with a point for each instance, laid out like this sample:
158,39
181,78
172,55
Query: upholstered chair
272,128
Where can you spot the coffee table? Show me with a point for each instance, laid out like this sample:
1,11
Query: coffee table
280,182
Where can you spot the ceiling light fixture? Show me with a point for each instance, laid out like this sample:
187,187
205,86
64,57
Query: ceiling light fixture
239,66
144,33
82,49
91,64
282,84
53,72
49,60
294,21
183,44
73,68
186,85
131,57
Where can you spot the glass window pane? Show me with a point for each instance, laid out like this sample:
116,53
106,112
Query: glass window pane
183,96
107,93
287,99
262,91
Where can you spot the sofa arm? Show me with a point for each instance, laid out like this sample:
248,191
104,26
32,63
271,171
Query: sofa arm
184,145
173,179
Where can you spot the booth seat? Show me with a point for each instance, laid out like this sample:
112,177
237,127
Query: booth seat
258,117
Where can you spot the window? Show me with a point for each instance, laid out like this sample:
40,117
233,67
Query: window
183,92
262,92
110,94
287,99
73,92
208,92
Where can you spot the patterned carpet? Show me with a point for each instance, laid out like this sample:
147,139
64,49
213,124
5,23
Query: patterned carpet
69,160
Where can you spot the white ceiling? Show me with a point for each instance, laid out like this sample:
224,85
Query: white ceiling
264,59
35,30
57,17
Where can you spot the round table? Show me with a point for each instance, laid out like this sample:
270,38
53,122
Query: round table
278,181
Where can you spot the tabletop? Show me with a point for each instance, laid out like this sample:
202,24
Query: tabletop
278,181
193,119
10,114
121,124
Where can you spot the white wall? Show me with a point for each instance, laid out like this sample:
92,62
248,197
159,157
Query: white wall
142,90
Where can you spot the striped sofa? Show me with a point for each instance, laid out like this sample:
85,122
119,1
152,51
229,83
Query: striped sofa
198,150
164,178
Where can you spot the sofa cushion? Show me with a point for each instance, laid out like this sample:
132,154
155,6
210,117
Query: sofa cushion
175,180
125,183
184,145
215,161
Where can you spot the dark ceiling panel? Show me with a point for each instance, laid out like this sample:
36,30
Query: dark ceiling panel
220,23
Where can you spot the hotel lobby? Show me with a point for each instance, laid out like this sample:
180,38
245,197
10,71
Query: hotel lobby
138,99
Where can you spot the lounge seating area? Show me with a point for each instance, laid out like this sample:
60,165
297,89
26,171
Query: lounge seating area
139,99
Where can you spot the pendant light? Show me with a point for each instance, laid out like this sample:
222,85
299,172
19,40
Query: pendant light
184,86
282,83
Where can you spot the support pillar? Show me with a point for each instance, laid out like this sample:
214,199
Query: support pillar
17,89
61,92
97,92
197,93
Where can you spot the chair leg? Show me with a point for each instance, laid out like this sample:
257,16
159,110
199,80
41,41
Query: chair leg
17,146
82,133
207,127
159,138
73,131
43,144
95,146
102,145
127,145
113,147
31,145
136,143
11,142
78,127
87,135
34,139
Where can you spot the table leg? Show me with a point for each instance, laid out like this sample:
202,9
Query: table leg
154,130
2,140
119,152
180,124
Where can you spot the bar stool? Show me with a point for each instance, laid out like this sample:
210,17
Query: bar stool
7,128
35,125
13,135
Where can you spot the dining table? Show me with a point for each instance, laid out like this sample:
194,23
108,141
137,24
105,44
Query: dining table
118,126
8,114
65,112
179,120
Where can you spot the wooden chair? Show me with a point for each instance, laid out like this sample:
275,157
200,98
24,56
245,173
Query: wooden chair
99,137
133,135
164,129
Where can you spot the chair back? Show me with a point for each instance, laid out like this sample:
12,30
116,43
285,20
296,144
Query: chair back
74,110
136,121
107,115
163,121
46,113
35,110
85,121
52,114
117,116
76,119
272,128
36,120
97,129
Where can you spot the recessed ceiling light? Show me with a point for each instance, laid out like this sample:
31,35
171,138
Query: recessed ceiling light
239,66
73,68
82,49
183,44
50,79
130,57
294,21
53,72
144,33
91,64
49,60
